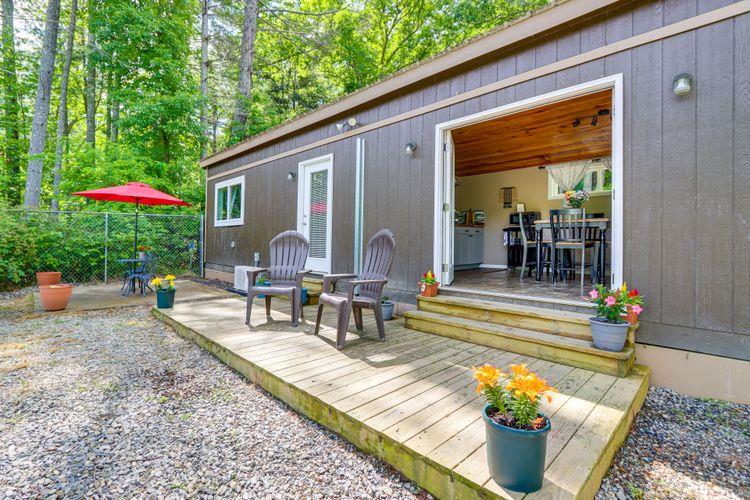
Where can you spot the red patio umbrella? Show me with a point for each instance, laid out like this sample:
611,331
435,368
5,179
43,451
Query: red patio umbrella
133,192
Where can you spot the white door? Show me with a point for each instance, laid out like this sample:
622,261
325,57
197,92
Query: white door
448,210
314,210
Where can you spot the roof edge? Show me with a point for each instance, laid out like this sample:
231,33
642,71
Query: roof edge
547,18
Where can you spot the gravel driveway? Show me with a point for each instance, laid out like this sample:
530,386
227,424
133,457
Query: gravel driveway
115,404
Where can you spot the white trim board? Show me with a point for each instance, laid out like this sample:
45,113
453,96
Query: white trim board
444,172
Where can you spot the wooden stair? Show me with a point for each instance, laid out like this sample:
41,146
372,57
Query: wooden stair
559,336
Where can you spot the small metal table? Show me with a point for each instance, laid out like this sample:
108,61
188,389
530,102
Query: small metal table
128,285
601,223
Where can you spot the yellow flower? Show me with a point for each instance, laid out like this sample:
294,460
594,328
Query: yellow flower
530,385
169,277
156,281
519,370
624,287
487,376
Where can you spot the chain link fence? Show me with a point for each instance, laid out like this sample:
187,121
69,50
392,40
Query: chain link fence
87,247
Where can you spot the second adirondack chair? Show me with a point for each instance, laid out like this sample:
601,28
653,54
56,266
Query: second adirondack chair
377,264
288,255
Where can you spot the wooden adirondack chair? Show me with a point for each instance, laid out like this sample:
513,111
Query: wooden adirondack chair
377,264
288,255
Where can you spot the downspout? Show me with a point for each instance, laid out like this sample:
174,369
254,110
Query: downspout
359,180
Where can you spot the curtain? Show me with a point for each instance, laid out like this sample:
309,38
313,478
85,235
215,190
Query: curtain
567,175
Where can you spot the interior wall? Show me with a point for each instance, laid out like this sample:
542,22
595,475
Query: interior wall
482,192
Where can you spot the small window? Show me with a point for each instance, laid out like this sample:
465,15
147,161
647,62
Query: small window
230,202
597,181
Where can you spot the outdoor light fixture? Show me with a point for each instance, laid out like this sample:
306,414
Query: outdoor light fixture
682,84
350,122
291,176
410,148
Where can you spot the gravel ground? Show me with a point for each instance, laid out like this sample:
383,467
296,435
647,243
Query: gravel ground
683,447
115,404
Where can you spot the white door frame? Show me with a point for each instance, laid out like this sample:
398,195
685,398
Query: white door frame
304,168
444,170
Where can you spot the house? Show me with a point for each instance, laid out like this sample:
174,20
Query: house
648,100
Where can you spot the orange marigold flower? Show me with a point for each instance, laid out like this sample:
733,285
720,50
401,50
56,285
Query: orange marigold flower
486,375
530,385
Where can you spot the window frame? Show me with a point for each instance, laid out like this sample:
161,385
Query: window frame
238,221
552,186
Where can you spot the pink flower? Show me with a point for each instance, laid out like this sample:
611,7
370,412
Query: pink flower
610,301
594,294
637,309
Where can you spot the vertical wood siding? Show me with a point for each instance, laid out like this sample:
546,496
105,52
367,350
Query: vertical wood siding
687,169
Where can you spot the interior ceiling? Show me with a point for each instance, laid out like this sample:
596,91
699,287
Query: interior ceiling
535,137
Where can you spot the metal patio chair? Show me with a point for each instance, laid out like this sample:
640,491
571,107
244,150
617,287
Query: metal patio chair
370,282
288,252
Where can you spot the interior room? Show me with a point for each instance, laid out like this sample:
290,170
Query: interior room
515,169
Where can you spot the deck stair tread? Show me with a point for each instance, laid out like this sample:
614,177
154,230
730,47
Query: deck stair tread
520,333
411,400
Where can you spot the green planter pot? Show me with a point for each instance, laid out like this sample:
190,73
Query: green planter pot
165,299
516,457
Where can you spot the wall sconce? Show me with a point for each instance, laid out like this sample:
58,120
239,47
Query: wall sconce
291,176
410,148
350,122
682,84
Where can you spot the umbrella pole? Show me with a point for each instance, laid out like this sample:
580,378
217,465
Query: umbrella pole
135,243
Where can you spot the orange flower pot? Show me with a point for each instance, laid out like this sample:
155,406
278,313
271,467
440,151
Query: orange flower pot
48,278
631,316
55,297
426,290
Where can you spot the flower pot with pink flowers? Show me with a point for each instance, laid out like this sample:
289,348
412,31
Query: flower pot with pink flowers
608,329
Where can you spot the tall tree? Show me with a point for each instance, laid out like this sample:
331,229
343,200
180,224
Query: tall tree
205,6
90,78
245,79
62,109
38,139
11,107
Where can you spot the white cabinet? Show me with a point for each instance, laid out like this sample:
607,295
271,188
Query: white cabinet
468,246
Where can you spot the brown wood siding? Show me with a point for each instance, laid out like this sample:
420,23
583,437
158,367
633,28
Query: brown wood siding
686,178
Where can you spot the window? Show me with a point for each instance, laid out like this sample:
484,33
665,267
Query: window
229,208
597,181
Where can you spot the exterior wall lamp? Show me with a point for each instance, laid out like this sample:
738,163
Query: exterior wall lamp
682,84
410,148
291,176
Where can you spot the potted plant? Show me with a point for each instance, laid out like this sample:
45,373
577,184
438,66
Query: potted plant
575,199
387,306
635,306
516,430
165,291
142,249
428,284
48,277
608,328
262,281
55,297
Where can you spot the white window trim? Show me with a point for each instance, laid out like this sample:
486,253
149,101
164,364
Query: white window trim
552,193
230,222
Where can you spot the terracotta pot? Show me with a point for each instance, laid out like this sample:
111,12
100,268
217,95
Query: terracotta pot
48,278
428,290
631,316
55,297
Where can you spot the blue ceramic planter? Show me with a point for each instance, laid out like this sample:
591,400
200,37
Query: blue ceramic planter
516,457
267,283
165,299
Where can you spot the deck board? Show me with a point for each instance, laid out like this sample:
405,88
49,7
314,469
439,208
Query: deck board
411,400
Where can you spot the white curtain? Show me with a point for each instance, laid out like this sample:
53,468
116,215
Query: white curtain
567,175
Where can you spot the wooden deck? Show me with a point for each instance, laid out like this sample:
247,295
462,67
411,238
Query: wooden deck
411,400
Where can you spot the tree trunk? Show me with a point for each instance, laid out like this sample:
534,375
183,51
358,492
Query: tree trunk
245,80
204,75
11,111
62,113
90,79
113,109
41,107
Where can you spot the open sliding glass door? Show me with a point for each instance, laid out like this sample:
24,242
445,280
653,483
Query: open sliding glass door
448,208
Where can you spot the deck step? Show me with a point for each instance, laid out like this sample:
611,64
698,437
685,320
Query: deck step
565,323
560,349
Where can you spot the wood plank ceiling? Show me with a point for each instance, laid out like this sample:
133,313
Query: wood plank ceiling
539,136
